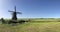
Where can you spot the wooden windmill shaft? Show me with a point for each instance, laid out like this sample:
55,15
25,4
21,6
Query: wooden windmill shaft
14,14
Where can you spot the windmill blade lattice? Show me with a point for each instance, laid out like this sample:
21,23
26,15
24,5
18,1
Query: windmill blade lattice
19,12
10,11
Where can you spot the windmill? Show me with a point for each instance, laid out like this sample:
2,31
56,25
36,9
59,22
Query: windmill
14,14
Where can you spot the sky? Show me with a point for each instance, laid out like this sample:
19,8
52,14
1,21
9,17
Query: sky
31,8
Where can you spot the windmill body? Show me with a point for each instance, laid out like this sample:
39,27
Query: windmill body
14,14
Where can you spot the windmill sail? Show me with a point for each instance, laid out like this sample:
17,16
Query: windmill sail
19,12
10,11
15,8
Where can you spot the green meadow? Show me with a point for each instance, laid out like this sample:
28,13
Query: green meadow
34,25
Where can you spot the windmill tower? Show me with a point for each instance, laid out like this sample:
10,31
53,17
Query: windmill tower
14,14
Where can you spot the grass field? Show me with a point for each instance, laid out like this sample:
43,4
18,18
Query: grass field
33,26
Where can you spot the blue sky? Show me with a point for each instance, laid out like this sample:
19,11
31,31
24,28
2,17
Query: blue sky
31,8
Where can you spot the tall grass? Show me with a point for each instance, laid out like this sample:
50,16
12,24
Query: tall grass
32,27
